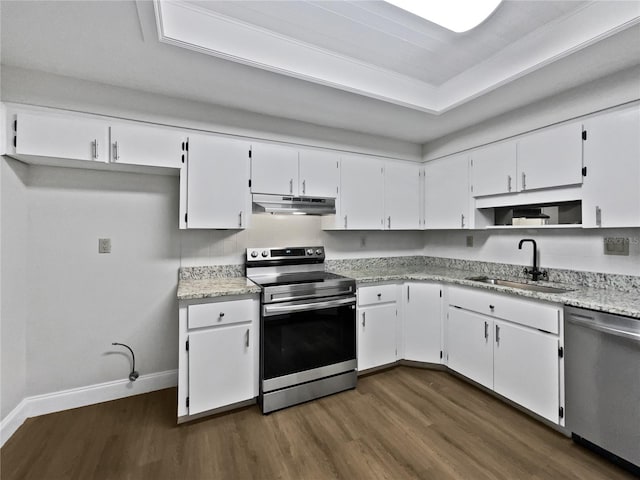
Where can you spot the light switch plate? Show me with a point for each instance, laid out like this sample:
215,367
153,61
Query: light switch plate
616,246
104,245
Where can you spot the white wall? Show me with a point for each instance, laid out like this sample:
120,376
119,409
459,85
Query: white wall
81,301
573,249
13,258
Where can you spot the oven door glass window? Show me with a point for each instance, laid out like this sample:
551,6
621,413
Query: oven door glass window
295,342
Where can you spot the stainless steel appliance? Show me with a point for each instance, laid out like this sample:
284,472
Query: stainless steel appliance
307,326
602,371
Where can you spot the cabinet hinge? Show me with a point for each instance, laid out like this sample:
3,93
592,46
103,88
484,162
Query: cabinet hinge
186,345
183,158
249,153
584,135
337,164
337,190
440,293
561,412
185,217
560,352
440,353
472,188
15,141
187,402
584,171
187,144
472,162
249,183
15,125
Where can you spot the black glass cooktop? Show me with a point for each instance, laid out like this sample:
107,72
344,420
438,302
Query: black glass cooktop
296,278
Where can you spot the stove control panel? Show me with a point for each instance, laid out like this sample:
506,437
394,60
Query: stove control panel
288,254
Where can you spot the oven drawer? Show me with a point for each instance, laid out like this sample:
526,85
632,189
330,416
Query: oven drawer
377,294
222,312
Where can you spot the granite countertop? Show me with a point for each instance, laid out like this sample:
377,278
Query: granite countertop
193,288
605,300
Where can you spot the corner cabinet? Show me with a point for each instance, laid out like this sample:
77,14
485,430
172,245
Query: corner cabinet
611,187
510,345
401,196
218,360
446,193
214,190
422,322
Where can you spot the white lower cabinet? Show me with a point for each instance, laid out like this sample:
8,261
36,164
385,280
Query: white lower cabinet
218,360
470,345
421,322
516,355
377,326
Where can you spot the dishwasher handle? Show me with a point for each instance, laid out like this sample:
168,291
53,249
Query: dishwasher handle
588,322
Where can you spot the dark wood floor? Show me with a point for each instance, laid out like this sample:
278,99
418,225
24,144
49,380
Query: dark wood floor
401,423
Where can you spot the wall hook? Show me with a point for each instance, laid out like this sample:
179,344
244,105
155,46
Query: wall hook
133,376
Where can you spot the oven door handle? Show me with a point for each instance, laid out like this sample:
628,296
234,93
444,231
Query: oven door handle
303,307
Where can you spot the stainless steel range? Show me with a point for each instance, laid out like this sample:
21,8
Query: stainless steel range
307,326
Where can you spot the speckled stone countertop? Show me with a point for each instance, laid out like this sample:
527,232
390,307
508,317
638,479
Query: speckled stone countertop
214,281
608,300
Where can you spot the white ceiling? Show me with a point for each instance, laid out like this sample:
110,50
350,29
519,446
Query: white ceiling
116,42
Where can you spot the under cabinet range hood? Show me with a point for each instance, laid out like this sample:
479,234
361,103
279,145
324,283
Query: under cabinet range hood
281,204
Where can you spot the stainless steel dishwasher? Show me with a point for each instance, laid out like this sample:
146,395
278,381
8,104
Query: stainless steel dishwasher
602,378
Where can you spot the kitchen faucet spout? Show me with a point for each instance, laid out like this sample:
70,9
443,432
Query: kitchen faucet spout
535,272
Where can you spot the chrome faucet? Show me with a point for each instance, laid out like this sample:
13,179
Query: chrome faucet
535,272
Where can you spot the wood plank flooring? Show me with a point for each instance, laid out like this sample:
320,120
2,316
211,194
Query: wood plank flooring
404,423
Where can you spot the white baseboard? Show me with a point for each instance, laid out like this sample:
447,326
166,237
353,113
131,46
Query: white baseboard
83,396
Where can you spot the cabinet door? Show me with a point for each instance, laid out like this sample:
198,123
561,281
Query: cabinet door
319,174
401,196
146,145
376,336
493,169
469,345
217,183
274,169
75,138
361,197
526,368
550,158
446,193
220,367
422,322
611,189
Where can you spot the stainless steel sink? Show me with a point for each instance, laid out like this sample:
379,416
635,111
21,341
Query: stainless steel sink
520,285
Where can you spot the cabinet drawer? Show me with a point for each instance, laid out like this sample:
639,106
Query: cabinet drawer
531,313
377,294
222,313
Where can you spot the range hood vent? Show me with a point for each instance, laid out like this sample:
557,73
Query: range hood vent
279,204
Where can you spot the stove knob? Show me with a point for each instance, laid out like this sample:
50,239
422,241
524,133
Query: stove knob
319,251
309,251
265,253
254,254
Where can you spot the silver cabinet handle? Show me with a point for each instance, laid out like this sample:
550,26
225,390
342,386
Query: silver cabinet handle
486,330
524,181
508,183
598,216
345,222
408,292
462,220
389,222
246,342
304,186
364,319
240,218
116,153
497,334
291,186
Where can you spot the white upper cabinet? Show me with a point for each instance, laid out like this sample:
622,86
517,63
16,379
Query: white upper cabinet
611,188
217,187
401,196
319,173
274,169
550,158
361,197
72,137
139,144
446,193
493,169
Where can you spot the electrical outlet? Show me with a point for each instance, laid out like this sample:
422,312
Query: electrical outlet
104,245
469,240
